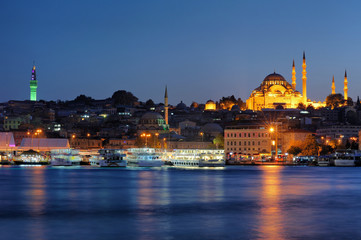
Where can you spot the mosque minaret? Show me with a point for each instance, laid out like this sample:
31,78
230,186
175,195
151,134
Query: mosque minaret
304,80
293,76
345,87
166,106
333,85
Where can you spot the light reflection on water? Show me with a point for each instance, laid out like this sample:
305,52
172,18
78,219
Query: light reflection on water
231,203
270,223
36,200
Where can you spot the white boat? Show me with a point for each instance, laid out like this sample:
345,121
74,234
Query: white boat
347,158
64,157
323,161
144,157
197,158
111,158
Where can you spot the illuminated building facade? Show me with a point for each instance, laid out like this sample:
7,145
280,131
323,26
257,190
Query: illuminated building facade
247,139
210,106
275,92
33,85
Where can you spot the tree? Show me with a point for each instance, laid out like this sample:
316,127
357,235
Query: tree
83,99
219,141
334,100
294,150
301,106
149,103
310,108
351,117
228,102
310,146
122,97
326,149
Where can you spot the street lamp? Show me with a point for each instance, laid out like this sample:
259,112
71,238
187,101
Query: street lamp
201,133
274,142
146,136
156,139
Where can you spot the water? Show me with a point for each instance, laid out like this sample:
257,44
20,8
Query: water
247,202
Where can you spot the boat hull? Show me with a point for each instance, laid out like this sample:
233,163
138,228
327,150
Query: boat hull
121,163
344,163
146,163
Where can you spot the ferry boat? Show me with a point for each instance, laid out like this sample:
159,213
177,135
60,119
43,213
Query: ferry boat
31,157
65,157
144,157
197,158
109,158
324,161
347,158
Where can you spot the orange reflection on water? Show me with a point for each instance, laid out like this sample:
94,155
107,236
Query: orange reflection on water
145,193
37,191
270,224
36,200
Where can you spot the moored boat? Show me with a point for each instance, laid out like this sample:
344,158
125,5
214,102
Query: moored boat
197,158
347,158
31,157
65,157
144,157
323,161
111,158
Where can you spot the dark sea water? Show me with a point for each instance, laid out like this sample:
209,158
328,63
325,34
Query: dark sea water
232,203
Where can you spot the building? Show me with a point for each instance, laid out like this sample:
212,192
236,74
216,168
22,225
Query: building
85,143
276,92
338,132
33,85
186,144
247,139
293,137
7,142
13,122
210,106
44,144
152,122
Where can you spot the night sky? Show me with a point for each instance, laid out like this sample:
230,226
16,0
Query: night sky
201,49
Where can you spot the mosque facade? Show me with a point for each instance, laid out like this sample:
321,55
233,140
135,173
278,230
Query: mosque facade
276,92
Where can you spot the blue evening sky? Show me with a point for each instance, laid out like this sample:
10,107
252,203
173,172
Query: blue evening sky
201,49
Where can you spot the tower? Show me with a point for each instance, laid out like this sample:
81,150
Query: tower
293,75
33,85
333,85
166,106
304,80
345,88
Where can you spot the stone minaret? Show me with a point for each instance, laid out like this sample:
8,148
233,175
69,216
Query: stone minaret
33,85
333,85
166,105
293,76
304,80
345,88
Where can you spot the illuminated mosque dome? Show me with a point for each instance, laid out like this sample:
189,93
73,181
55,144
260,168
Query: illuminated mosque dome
274,91
275,83
210,105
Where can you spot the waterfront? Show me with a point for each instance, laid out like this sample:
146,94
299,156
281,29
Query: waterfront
236,202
